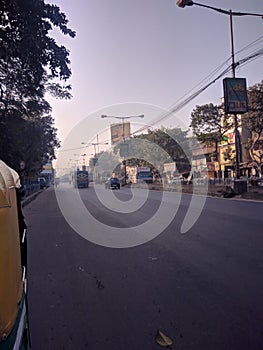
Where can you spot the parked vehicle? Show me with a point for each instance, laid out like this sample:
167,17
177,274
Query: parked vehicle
14,330
112,182
144,174
139,174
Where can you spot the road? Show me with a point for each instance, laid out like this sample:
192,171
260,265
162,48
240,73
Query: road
203,289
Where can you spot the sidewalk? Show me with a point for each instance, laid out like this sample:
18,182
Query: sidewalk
30,198
254,192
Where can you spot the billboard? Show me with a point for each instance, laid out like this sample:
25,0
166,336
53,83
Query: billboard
235,95
120,132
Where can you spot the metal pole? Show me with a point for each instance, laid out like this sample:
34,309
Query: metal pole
123,136
98,143
232,44
183,3
237,144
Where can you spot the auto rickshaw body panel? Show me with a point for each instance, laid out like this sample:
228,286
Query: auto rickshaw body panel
11,284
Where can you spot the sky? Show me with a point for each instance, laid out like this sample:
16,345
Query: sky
142,57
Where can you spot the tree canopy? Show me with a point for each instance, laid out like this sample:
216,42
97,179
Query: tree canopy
173,141
30,59
209,124
254,122
31,65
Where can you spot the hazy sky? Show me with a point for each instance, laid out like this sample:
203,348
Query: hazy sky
150,52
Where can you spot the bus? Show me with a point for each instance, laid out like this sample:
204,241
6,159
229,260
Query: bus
81,178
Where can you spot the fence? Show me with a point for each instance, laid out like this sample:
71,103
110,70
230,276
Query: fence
30,188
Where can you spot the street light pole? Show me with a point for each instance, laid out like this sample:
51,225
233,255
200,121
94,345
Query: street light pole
236,132
182,4
83,158
232,44
94,144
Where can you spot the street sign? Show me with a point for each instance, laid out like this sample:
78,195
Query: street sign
235,95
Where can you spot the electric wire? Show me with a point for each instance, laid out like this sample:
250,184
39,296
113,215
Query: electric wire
177,106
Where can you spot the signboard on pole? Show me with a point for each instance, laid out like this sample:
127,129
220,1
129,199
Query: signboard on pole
120,132
235,95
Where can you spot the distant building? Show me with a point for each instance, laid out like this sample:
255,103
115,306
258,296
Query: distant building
203,161
206,163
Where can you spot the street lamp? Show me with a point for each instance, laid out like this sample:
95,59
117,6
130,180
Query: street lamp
123,133
94,144
230,13
83,158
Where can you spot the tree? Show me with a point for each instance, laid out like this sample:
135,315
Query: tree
31,60
32,141
31,65
254,122
209,125
173,141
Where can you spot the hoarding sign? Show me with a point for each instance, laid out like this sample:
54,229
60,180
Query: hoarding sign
119,132
169,167
235,95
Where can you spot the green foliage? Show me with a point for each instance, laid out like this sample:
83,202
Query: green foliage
209,124
31,65
33,141
29,58
174,145
254,122
254,117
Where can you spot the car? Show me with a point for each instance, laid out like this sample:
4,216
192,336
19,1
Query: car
112,182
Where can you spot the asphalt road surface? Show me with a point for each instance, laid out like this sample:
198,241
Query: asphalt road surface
203,289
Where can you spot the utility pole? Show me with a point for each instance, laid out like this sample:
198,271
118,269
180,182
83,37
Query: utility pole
123,135
230,13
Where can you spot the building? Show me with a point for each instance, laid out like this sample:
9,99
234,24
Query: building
204,162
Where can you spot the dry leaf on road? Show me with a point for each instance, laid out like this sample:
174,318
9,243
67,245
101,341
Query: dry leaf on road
163,340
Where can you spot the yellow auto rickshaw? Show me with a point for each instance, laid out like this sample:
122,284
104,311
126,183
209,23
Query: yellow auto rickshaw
14,330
